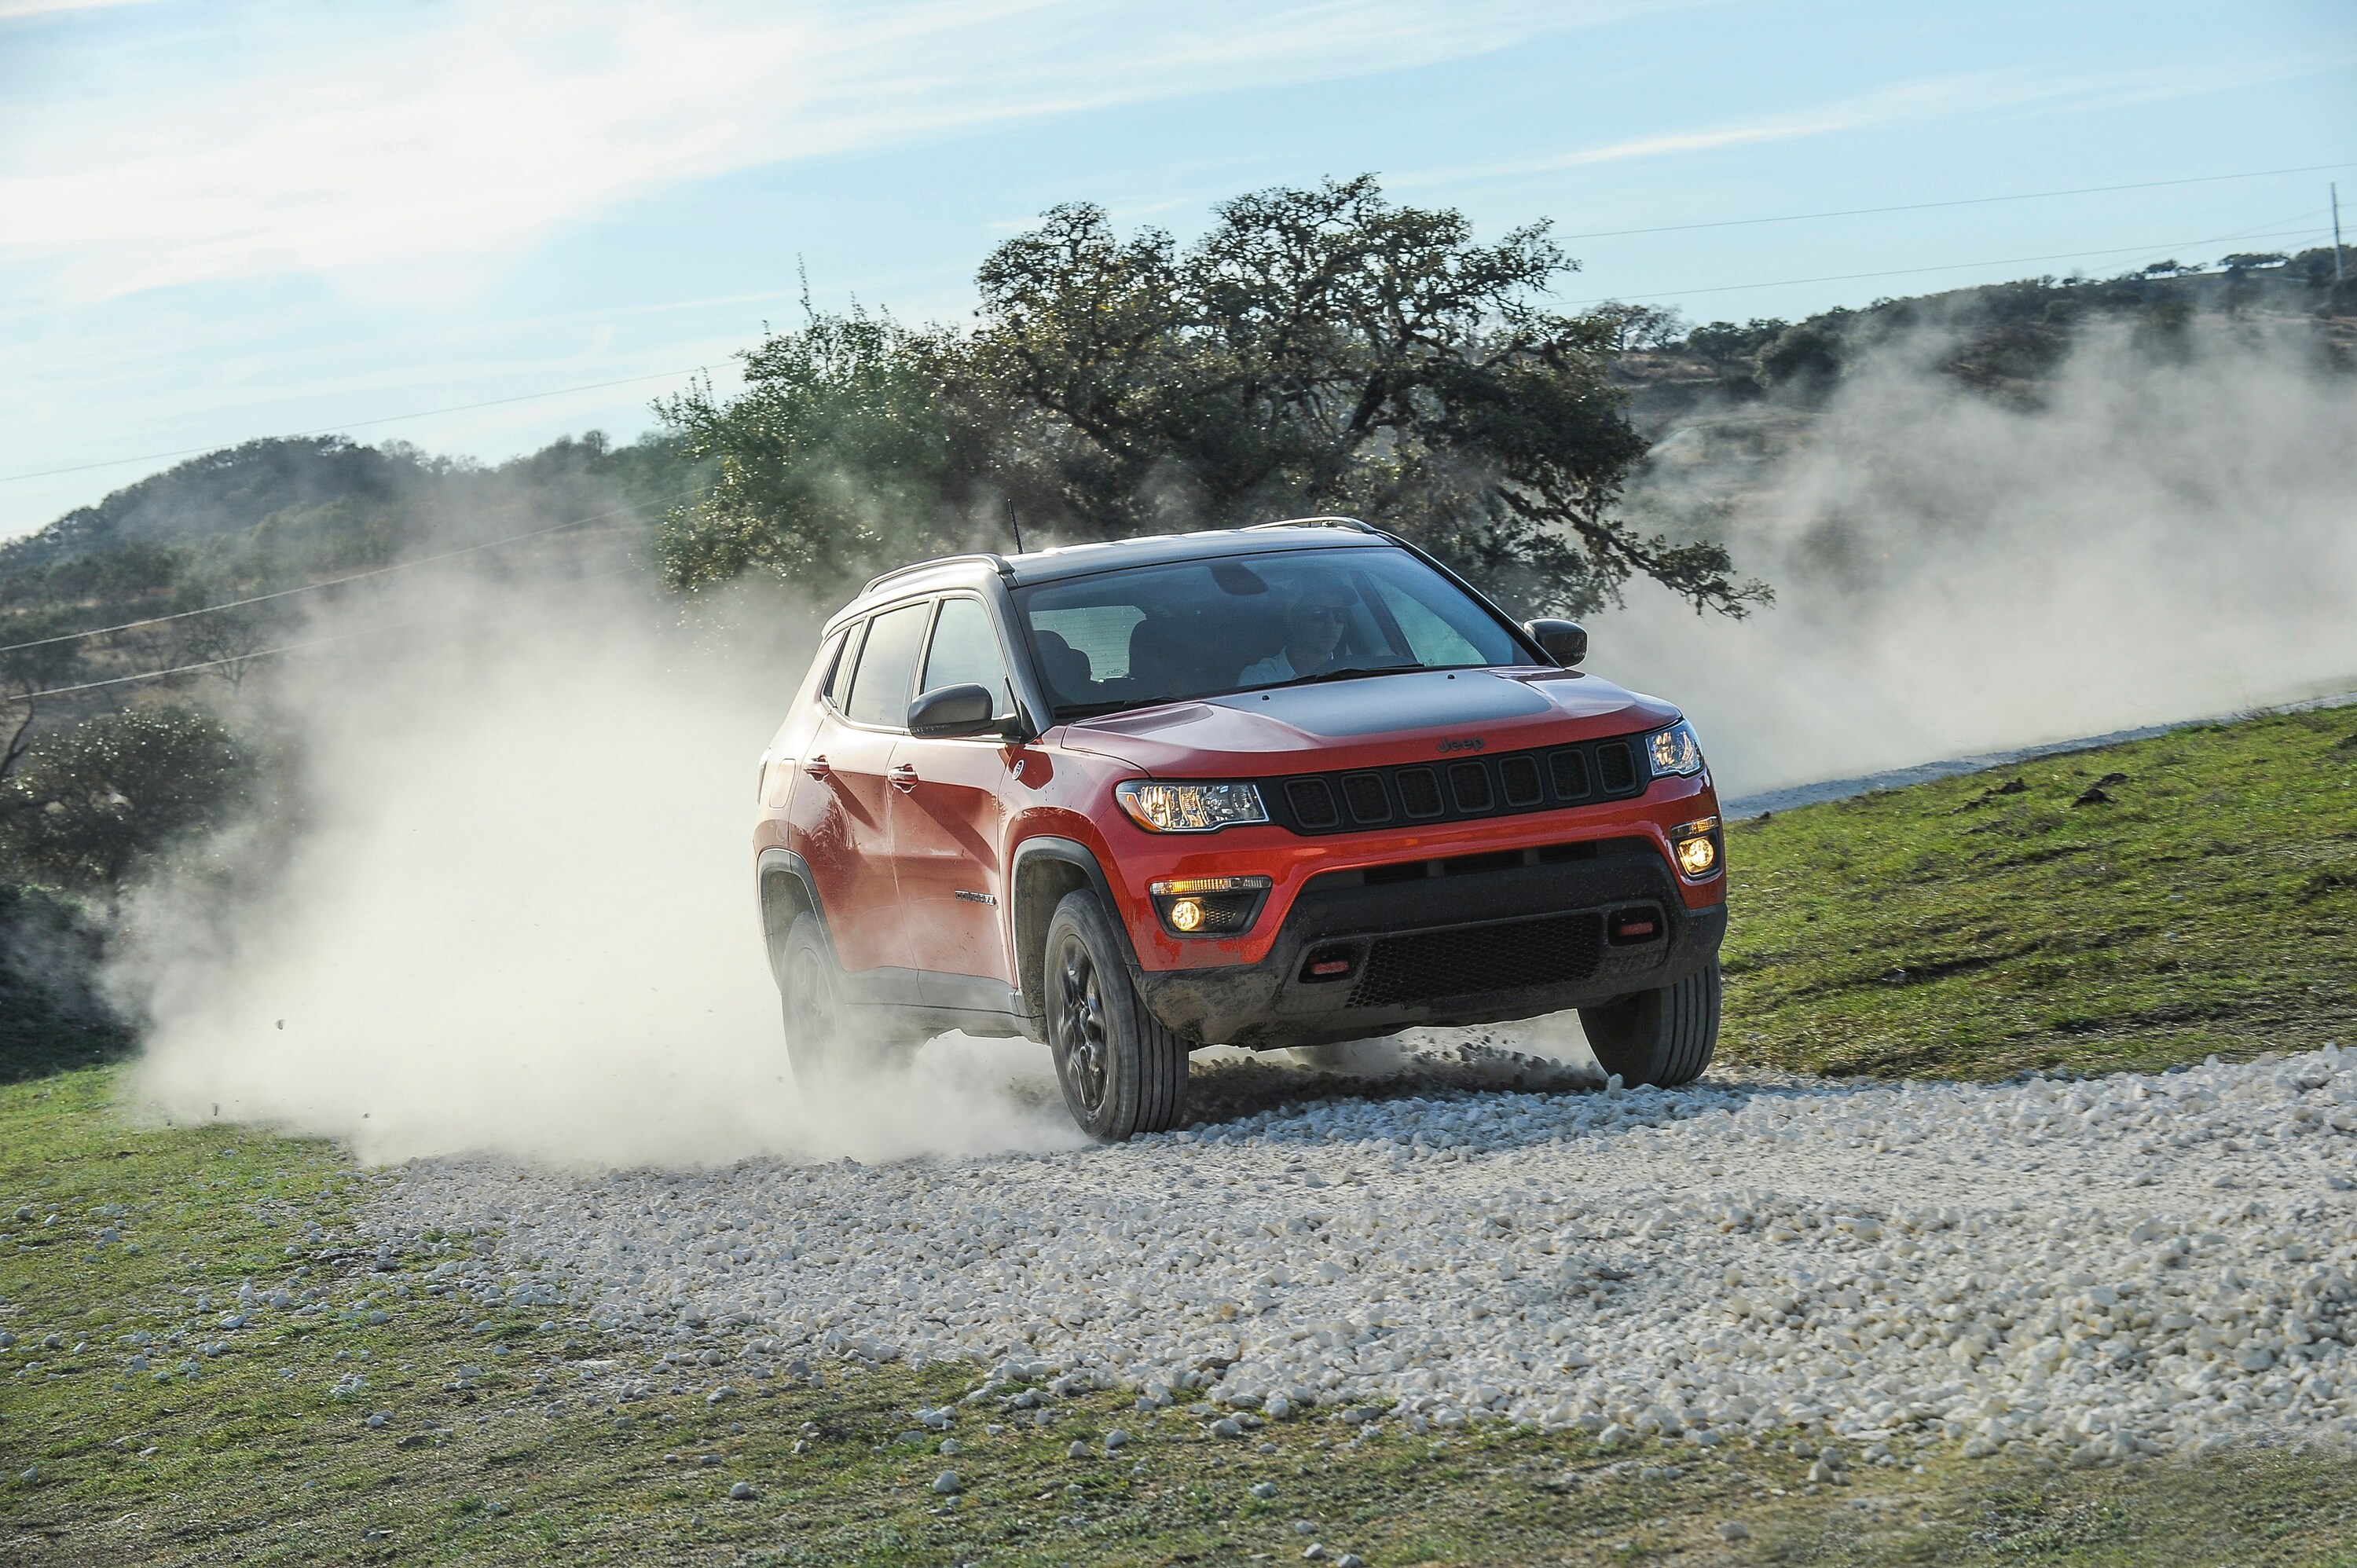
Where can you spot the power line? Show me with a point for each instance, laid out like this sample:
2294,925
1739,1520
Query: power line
338,582
1943,267
273,652
1959,201
353,425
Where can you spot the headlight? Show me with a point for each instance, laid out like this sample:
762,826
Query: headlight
1189,808
1673,750
1695,845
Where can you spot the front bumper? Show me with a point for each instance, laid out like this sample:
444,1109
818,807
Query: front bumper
1476,938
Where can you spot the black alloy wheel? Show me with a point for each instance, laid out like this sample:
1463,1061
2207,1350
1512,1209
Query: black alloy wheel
1122,1072
1081,1047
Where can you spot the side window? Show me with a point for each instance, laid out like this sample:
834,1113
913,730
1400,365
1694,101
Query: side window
844,652
964,650
880,691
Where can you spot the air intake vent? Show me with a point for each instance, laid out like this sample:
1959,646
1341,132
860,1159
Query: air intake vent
1553,950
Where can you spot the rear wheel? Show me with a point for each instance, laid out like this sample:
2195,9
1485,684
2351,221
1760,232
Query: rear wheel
1664,1038
811,994
1122,1071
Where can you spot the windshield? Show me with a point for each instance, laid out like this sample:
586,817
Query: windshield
1205,629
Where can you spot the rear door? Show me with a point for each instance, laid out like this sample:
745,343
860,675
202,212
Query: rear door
949,813
845,819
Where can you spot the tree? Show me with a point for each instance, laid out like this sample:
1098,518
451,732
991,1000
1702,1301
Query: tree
88,803
38,654
1324,351
1317,350
846,452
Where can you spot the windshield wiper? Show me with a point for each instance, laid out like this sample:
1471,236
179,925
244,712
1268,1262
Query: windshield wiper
1347,672
1066,711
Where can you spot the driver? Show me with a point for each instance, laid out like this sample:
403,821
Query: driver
1313,631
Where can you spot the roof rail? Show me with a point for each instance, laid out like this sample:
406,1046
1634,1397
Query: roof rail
999,564
1349,523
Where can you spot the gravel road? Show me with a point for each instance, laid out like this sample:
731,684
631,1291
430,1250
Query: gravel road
2098,1269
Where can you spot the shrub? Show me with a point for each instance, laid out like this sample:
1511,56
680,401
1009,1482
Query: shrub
87,804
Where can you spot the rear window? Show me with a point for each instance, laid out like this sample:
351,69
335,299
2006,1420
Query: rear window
1206,628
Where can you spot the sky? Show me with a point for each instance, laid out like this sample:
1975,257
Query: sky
477,225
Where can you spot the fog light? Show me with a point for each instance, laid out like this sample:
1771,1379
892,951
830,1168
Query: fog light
1696,844
1187,914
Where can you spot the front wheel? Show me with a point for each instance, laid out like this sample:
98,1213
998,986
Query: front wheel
1662,1038
1121,1070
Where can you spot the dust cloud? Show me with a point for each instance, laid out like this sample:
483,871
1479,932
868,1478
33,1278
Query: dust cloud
2167,532
508,907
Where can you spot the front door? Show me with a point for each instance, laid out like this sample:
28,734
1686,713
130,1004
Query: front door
948,814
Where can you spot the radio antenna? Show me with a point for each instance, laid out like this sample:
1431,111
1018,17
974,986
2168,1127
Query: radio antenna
1014,526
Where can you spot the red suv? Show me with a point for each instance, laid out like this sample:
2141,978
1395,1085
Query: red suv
1278,785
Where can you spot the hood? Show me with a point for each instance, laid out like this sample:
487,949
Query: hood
1369,722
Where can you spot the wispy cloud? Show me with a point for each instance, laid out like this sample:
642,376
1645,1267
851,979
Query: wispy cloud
21,10
409,152
1910,103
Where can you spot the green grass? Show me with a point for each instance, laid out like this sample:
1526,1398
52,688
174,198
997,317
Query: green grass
1948,930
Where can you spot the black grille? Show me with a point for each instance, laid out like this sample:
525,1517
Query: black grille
1520,774
1366,797
1553,949
1534,780
1312,803
1617,765
1568,769
1420,792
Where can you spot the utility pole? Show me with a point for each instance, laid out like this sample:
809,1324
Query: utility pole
2338,275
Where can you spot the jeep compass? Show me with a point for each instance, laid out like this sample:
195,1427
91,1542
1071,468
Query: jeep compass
1288,784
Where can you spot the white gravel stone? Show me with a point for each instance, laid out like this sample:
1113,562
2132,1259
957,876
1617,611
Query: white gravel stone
2044,1262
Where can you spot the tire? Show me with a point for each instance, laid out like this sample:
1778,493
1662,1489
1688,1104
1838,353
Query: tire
811,993
1122,1072
1662,1038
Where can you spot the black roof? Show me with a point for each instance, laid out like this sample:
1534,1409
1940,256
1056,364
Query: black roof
1084,560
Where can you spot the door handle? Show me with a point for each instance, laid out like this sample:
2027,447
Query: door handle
817,769
904,778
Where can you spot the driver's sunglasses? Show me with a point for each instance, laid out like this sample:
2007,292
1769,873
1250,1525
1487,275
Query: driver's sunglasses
1319,612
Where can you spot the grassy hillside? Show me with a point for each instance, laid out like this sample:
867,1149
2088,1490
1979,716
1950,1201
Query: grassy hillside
1982,925
253,1443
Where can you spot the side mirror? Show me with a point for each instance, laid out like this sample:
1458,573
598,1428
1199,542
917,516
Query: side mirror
953,713
1566,641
